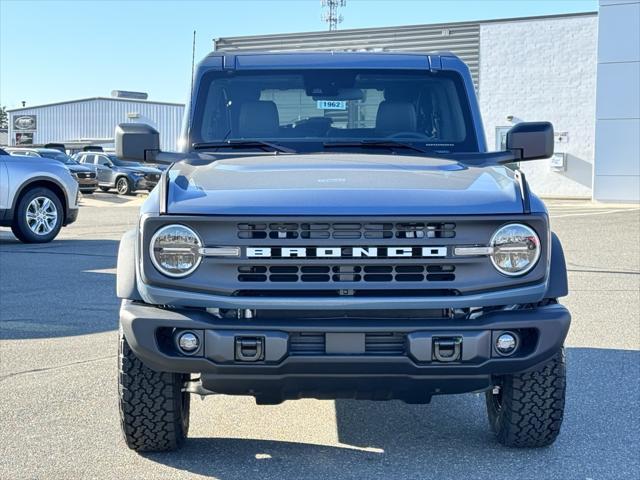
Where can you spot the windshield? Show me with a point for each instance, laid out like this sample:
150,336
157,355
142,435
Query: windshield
322,107
121,163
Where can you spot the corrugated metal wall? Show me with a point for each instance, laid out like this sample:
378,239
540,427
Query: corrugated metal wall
97,119
462,39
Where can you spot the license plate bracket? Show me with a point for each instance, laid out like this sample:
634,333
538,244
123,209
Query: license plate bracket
344,343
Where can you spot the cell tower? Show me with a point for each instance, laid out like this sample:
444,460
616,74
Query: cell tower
330,15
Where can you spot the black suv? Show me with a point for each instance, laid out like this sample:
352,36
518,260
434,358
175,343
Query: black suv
125,177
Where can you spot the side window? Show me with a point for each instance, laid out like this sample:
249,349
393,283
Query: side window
102,160
88,159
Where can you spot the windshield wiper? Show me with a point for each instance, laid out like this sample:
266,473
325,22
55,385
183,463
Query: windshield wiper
385,144
237,144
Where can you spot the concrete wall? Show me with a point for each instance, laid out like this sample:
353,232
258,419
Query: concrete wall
617,172
544,70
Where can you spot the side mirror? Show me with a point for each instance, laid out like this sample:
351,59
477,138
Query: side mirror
533,140
108,165
137,141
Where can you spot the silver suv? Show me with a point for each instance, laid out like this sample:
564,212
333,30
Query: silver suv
37,197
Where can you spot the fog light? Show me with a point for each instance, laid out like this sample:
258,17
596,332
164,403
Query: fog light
506,343
188,342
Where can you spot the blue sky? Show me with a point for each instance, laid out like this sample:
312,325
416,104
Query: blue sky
61,50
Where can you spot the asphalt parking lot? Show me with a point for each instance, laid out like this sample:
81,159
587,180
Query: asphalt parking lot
58,392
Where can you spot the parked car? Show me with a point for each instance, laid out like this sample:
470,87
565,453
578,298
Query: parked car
37,197
369,247
85,176
125,177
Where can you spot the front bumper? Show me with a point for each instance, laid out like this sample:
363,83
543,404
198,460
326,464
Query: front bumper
71,215
87,184
144,183
287,369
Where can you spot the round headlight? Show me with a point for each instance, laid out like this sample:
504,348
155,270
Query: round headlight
516,249
175,250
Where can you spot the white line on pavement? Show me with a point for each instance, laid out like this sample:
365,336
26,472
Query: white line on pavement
595,213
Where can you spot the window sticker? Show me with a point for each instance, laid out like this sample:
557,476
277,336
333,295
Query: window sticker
332,105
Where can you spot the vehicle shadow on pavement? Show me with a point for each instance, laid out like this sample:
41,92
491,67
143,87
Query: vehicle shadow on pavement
99,198
58,289
449,438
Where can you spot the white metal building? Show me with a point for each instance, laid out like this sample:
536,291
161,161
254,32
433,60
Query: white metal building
526,69
92,121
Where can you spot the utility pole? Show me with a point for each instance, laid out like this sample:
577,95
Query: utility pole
330,15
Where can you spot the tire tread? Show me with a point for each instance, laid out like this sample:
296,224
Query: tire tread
150,405
532,406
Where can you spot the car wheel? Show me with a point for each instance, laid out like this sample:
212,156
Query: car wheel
154,409
526,409
38,216
123,186
105,189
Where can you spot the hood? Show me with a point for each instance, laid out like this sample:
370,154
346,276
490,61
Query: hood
141,169
341,184
77,168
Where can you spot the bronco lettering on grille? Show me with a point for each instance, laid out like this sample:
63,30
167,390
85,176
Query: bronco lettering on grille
346,252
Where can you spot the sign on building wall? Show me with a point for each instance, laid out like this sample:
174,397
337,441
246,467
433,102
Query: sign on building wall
24,127
25,122
24,138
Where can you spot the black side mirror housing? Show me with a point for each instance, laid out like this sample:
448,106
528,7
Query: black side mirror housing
137,141
533,140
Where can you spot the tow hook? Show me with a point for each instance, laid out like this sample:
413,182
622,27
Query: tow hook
447,349
249,349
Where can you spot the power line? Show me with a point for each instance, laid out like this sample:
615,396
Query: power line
330,15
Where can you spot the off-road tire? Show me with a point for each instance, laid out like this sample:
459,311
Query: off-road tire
154,411
21,229
528,410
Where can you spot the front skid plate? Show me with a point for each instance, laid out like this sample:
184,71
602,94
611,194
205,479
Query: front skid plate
280,373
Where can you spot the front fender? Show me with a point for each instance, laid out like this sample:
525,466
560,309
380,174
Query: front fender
558,282
126,277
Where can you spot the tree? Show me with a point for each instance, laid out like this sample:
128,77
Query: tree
4,118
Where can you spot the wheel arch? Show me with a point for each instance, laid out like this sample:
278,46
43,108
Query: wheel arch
44,182
119,176
126,269
558,282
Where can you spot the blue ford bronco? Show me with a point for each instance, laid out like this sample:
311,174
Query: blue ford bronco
334,227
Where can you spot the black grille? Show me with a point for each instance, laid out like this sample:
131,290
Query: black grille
392,344
306,344
86,175
346,231
154,177
346,273
298,292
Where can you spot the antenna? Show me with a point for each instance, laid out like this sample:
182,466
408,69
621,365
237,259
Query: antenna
331,15
193,68
193,61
